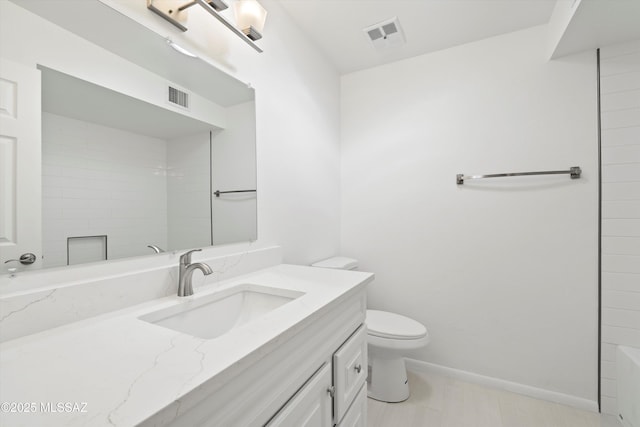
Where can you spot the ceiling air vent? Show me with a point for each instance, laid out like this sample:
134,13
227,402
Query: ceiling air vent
178,97
386,34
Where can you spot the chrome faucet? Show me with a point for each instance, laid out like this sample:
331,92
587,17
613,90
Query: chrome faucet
185,287
155,248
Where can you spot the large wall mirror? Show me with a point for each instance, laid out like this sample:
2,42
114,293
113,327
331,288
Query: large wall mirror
168,165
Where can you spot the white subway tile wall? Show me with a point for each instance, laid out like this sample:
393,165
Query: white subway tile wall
98,180
620,102
188,191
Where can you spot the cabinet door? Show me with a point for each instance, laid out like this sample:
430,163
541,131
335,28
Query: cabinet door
310,406
349,371
356,416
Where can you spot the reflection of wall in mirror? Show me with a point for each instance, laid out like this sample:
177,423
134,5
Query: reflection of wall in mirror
188,191
136,189
99,180
234,168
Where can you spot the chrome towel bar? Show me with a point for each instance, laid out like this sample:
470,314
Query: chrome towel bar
218,192
574,172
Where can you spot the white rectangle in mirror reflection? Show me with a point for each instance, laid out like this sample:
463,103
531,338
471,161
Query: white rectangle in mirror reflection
7,189
83,249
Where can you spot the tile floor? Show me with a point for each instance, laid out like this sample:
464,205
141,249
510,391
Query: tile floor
438,401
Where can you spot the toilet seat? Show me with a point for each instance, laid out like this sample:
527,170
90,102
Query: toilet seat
383,324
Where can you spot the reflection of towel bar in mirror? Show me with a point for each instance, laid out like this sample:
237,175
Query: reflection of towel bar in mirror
574,172
218,192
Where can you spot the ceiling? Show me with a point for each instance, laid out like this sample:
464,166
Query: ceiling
429,25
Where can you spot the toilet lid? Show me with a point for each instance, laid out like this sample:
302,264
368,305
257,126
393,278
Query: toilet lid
338,262
391,325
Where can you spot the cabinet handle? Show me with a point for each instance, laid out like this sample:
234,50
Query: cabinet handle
358,368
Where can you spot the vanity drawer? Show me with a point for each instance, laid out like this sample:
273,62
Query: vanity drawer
349,371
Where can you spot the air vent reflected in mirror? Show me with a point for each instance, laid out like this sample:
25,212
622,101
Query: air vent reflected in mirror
178,97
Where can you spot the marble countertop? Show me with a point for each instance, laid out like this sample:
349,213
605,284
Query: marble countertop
117,370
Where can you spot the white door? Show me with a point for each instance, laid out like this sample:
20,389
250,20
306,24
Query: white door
20,164
311,405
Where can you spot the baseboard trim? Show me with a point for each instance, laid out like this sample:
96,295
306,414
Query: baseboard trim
538,393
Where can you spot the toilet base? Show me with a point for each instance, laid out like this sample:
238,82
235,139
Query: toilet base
387,380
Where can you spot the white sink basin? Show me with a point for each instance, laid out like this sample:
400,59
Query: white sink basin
213,315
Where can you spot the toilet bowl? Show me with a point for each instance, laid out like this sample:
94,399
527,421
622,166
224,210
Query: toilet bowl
389,337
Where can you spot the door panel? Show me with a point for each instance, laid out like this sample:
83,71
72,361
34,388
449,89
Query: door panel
349,371
311,405
356,415
20,164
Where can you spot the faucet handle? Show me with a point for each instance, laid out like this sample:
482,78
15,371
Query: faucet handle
155,248
185,258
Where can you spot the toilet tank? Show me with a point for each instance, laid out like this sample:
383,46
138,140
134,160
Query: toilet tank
338,262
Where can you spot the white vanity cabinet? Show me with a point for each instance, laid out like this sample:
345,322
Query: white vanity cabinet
316,378
302,363
312,405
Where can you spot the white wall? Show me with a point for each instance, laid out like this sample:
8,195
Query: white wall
502,272
620,106
188,199
98,180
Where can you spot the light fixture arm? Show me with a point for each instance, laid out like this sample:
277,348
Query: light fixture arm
186,6
208,5
218,5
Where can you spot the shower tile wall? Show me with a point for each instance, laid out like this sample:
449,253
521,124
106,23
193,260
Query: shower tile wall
620,102
100,180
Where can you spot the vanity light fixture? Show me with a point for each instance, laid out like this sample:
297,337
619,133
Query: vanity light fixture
250,16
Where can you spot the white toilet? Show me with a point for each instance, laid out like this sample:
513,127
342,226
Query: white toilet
389,336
